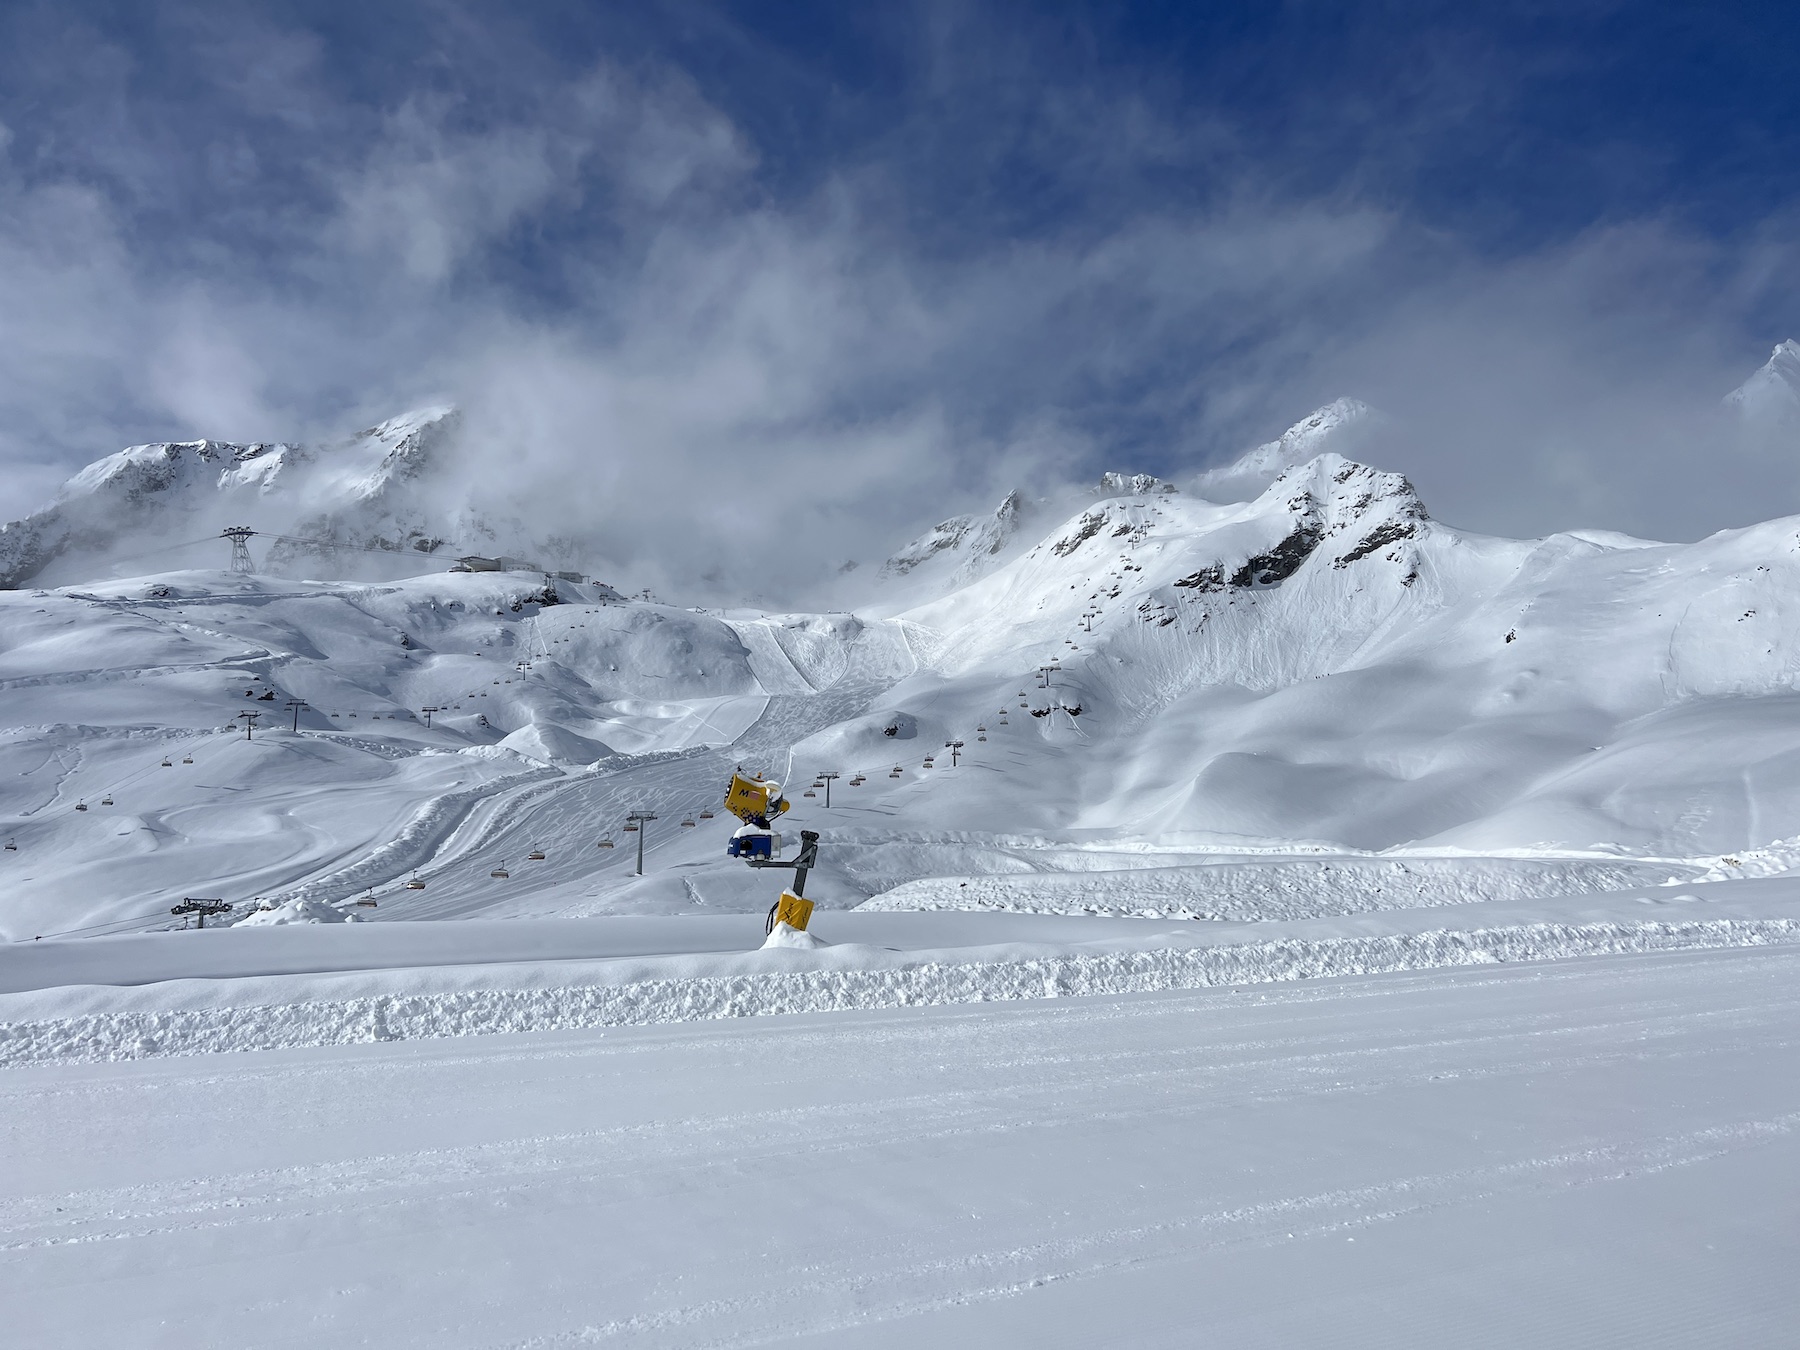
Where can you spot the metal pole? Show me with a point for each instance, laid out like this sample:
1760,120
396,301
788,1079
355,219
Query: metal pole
642,820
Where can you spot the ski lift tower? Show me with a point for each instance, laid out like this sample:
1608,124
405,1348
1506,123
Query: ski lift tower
240,547
201,907
640,819
828,779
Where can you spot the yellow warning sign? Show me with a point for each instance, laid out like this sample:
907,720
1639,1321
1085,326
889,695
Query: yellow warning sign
794,911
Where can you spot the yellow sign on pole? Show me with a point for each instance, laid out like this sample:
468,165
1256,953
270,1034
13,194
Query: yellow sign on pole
794,911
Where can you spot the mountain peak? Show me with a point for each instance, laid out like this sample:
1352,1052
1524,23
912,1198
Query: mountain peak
1344,425
972,540
1772,394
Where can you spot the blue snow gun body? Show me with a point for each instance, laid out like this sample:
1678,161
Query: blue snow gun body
751,846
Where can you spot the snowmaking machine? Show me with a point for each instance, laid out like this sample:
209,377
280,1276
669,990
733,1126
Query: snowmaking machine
757,803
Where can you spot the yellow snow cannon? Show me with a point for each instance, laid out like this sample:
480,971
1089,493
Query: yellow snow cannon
750,798
756,802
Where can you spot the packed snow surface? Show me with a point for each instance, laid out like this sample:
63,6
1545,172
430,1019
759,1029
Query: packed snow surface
1597,1152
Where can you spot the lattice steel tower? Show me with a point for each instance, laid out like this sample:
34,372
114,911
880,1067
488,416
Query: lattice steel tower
240,547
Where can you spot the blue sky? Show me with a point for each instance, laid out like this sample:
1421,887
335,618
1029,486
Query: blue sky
911,254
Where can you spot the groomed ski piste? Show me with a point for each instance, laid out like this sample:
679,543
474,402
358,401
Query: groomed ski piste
1278,922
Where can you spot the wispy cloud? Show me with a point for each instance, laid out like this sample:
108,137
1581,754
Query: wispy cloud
670,337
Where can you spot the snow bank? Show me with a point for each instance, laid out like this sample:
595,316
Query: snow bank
904,983
1286,888
303,910
793,939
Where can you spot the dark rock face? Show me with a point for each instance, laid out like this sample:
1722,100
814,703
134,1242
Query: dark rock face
1091,524
1206,580
1378,538
1280,562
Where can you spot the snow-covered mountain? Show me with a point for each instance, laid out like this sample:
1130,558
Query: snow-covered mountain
960,549
1771,397
323,510
1323,668
1137,676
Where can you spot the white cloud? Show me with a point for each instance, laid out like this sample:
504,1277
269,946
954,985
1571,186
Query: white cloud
656,350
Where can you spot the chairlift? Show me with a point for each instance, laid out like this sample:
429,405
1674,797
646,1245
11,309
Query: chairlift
631,828
12,845
809,793
500,873
167,764
106,800
187,759
687,823
415,884
536,855
981,738
605,843
706,815
81,806
981,728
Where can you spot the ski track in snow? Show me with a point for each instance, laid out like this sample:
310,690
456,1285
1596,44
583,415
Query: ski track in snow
1273,1166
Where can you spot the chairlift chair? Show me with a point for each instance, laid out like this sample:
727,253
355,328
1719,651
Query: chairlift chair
81,806
605,843
536,855
415,884
687,823
706,815
500,873
981,738
167,763
187,759
12,845
106,800
631,828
